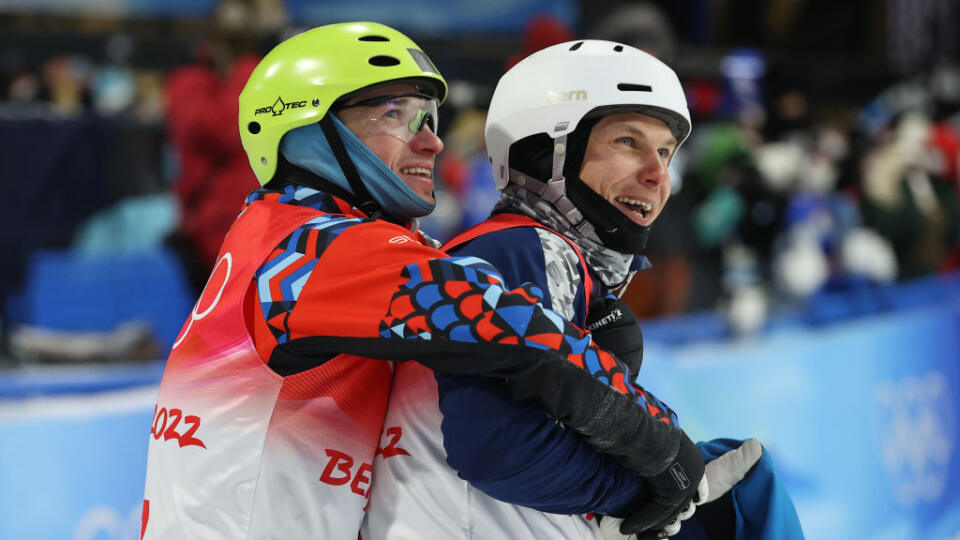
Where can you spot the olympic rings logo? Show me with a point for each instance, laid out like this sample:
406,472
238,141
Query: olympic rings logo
194,315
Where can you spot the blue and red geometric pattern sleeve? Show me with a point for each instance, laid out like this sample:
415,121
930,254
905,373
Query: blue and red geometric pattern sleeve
374,291
281,278
462,299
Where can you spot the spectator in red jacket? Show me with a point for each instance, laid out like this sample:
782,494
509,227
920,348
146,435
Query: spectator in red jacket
214,177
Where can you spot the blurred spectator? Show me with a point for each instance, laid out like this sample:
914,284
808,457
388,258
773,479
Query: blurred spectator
639,25
67,79
114,87
214,176
911,205
242,16
732,207
24,87
921,33
541,32
467,175
816,217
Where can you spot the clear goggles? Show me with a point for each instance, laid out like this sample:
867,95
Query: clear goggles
400,116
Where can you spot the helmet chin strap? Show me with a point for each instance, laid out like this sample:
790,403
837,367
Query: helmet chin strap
367,203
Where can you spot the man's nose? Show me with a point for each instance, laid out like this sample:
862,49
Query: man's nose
655,171
426,141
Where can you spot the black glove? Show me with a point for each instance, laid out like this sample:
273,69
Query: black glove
673,490
614,328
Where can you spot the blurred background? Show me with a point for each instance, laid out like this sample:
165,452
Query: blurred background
805,287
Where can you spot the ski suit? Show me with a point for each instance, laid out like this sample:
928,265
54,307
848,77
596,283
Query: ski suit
522,456
272,404
526,459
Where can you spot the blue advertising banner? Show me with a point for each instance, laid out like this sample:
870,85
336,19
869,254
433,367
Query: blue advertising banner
427,16
112,7
73,467
861,417
430,16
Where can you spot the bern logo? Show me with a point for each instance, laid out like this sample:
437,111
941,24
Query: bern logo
279,106
569,95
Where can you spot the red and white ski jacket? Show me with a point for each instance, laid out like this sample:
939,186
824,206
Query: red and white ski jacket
272,404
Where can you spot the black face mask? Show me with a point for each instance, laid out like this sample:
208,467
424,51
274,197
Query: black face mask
534,156
617,231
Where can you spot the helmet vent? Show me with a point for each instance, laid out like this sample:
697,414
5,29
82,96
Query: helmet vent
373,38
383,61
576,45
618,48
628,87
253,127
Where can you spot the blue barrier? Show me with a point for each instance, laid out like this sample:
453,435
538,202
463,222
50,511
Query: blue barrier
73,467
861,417
66,380
841,302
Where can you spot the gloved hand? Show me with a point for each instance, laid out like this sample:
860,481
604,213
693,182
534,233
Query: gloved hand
610,529
675,490
614,328
720,475
610,526
725,471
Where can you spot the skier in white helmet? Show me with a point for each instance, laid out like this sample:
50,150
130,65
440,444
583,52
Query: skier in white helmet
580,136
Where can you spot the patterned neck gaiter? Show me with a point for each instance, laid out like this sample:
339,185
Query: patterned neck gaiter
612,267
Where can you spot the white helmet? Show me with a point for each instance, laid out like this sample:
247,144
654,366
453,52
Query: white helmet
551,91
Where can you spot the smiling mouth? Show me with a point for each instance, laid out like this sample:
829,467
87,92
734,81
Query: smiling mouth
418,171
641,208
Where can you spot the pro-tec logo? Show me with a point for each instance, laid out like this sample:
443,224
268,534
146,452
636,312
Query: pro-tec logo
279,106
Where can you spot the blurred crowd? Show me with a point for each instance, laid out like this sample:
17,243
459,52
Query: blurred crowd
777,197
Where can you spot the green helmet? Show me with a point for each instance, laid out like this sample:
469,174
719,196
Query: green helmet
298,81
